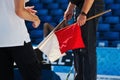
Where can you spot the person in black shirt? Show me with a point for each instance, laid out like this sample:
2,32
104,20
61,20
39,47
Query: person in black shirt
85,59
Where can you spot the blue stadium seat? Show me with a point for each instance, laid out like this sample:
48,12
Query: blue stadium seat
97,35
46,1
64,6
116,12
62,1
100,20
114,6
102,43
71,21
53,24
42,12
110,35
46,18
104,27
58,18
29,25
38,6
116,27
107,14
115,43
52,6
112,19
56,12
117,1
108,1
34,1
36,41
34,34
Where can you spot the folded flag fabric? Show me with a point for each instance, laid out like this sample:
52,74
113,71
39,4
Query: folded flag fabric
68,38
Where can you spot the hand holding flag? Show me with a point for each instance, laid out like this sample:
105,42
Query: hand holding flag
61,41
58,42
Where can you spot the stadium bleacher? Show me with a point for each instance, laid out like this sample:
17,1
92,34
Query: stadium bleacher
52,11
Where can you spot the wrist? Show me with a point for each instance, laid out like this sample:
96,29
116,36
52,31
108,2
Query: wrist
70,7
83,13
35,18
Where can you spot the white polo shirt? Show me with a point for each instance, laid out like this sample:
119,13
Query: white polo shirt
13,31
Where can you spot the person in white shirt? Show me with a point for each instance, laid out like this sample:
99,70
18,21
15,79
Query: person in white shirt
15,43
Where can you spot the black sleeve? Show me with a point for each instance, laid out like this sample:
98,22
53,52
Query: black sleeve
77,2
99,6
74,1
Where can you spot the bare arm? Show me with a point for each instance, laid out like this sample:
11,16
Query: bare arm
87,5
81,20
69,11
25,14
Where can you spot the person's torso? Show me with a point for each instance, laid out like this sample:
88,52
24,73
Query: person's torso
97,7
13,31
79,3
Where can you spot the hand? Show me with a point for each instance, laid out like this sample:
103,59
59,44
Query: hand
81,19
68,14
36,23
31,9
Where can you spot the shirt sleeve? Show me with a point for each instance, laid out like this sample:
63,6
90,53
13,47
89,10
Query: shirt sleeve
74,1
77,2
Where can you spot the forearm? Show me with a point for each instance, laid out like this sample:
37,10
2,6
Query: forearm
22,12
26,15
71,6
87,5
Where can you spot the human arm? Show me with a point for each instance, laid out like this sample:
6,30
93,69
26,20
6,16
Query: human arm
25,14
31,9
81,19
47,29
69,11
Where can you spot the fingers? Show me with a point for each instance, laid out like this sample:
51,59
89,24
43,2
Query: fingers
68,15
36,23
31,9
81,20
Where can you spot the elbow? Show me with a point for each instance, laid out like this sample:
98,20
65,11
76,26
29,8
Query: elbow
90,0
18,13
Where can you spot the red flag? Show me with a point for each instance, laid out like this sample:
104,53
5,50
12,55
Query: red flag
61,41
70,38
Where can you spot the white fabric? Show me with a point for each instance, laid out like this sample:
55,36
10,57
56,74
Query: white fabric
51,48
26,0
13,31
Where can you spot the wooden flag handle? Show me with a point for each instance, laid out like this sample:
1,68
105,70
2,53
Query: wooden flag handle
47,38
99,14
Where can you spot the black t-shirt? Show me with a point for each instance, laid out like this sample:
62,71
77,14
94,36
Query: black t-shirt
98,5
79,3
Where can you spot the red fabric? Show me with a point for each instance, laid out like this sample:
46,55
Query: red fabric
70,38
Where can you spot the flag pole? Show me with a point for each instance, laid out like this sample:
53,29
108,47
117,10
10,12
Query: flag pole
49,35
47,38
99,14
